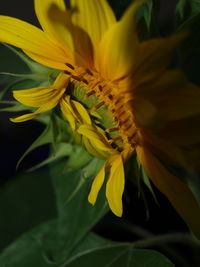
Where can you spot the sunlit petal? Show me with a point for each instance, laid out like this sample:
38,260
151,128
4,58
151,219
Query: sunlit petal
53,17
93,17
96,186
118,49
29,38
115,184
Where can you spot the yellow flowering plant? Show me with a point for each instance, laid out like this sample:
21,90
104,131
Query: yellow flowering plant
110,100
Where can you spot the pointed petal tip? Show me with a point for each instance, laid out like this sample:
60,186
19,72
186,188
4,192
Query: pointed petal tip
91,199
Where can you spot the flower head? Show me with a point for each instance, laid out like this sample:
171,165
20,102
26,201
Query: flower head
116,93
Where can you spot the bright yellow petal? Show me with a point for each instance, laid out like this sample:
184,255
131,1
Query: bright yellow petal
81,112
67,113
30,116
36,97
96,139
25,117
46,61
43,96
115,184
29,38
177,192
93,17
90,19
96,186
53,17
119,47
92,150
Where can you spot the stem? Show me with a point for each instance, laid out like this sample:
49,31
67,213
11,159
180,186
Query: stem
154,241
183,238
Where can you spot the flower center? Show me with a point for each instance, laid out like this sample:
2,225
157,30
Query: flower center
103,97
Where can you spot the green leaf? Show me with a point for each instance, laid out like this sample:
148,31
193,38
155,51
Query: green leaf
76,215
186,10
119,255
188,20
145,20
56,241
91,251
32,249
25,202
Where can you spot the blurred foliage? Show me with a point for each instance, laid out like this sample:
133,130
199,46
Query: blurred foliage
188,20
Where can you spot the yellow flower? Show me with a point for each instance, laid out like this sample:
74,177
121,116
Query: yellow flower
142,107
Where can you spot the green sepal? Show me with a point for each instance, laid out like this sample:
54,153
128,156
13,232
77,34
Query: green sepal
56,135
13,106
36,71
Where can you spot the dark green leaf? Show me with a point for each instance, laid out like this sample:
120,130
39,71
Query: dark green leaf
24,202
186,10
32,248
118,256
188,20
144,20
76,215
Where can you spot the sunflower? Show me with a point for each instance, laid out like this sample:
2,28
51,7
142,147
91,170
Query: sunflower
117,94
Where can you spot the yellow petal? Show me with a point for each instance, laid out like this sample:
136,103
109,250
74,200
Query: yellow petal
154,57
93,17
53,17
180,103
46,61
177,192
119,47
115,184
81,112
96,139
25,117
38,96
167,150
92,150
67,113
47,96
96,186
165,83
29,38
185,132
145,112
30,116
